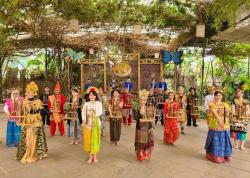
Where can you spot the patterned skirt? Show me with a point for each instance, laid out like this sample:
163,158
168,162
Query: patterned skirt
92,137
115,129
32,145
171,131
218,146
144,137
13,134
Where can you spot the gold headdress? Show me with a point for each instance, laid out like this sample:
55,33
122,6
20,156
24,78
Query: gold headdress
143,94
90,89
31,88
171,91
220,90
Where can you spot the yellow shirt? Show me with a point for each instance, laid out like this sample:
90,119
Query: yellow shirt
218,112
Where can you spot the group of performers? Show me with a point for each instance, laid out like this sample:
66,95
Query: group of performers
27,117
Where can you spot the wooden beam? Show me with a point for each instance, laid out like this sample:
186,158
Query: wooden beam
82,78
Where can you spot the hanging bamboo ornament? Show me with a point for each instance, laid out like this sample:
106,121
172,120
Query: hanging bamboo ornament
74,25
137,29
200,30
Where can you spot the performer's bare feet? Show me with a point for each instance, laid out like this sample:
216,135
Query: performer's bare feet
76,142
95,160
242,148
89,160
116,143
236,146
73,142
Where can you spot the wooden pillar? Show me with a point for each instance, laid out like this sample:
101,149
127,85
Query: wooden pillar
82,78
105,74
161,70
139,75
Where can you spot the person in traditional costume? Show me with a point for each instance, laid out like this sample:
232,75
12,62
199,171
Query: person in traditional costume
115,118
13,108
129,85
91,112
171,110
218,144
114,84
153,85
32,145
209,97
163,85
56,107
74,116
181,98
44,97
192,107
87,85
103,99
144,137
127,107
241,114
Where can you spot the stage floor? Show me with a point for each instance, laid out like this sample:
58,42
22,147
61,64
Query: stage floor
184,160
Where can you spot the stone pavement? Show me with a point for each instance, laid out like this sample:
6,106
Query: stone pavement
183,160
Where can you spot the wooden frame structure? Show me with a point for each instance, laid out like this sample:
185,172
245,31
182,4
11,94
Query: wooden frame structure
125,58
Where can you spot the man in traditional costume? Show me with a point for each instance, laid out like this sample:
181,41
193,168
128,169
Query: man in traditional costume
127,107
129,85
163,85
144,137
55,104
32,144
13,108
87,85
192,107
209,97
91,112
44,97
153,85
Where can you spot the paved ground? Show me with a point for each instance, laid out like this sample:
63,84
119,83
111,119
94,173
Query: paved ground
185,159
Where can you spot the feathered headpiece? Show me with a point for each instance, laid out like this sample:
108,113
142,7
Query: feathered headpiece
143,94
31,88
91,89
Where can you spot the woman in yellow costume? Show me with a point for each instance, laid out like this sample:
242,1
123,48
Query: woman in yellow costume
32,144
91,112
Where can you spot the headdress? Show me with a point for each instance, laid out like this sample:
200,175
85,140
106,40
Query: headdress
57,87
31,88
143,94
91,89
171,91
76,89
220,90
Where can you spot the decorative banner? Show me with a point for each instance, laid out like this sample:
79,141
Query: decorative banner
167,56
122,69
